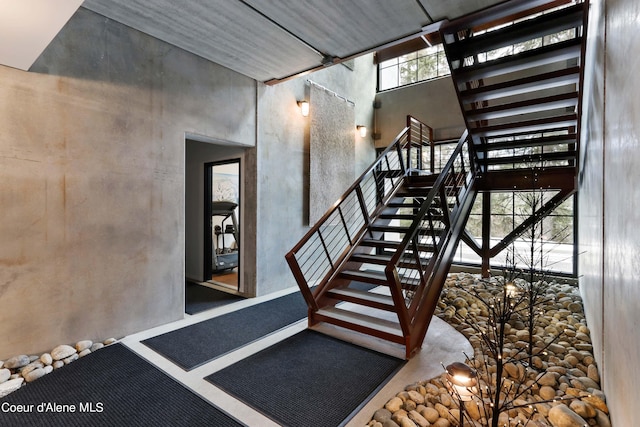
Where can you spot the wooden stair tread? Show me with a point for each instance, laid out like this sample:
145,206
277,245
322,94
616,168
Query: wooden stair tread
375,278
549,23
523,85
387,244
383,259
553,156
507,129
545,55
524,107
531,142
371,258
400,228
362,320
399,216
357,296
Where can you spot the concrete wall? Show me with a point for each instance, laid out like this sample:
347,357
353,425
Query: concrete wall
99,193
609,203
283,161
433,102
92,160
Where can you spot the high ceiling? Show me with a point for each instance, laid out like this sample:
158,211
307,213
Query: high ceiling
274,39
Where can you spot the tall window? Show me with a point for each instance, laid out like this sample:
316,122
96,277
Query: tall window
413,67
553,240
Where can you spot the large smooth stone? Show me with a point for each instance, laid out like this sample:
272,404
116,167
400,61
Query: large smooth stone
17,362
11,385
562,416
46,359
35,374
5,374
83,345
62,352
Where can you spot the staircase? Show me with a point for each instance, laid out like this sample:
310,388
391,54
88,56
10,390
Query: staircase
386,246
377,261
518,70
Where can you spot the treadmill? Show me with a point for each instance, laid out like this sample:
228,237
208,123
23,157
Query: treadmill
225,257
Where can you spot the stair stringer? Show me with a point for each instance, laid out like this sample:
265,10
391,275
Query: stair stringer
427,305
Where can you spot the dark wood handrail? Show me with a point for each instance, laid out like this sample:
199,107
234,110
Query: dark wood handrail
411,312
437,186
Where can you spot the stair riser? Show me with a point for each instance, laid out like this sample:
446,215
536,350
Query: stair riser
362,302
315,318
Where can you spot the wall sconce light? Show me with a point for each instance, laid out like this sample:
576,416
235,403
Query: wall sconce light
304,108
362,130
463,381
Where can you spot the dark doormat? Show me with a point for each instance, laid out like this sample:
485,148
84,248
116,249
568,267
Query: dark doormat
193,345
308,379
200,298
111,387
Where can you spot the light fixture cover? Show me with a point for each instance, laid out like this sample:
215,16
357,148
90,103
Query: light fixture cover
304,107
362,130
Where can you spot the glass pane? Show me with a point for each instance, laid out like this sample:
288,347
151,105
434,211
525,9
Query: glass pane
388,63
501,225
477,205
443,65
528,45
501,203
474,225
499,53
408,72
408,57
428,67
389,77
561,36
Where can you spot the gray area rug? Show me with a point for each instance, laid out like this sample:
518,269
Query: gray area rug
194,345
309,379
110,387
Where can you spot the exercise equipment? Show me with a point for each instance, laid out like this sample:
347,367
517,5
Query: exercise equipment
225,257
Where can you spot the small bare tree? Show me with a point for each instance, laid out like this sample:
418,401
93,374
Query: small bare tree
505,378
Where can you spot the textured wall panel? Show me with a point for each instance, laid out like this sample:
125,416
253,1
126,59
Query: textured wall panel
622,212
332,150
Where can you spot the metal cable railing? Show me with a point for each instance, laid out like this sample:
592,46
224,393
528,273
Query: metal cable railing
411,269
316,259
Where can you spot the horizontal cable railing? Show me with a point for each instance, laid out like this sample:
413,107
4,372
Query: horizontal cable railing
316,259
411,269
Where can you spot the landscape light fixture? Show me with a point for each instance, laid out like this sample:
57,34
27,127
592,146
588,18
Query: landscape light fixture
362,130
511,290
463,380
304,108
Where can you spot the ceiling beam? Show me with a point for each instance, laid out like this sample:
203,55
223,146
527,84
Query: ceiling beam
431,29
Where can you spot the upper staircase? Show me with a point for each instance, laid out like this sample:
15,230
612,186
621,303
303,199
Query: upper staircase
376,262
517,69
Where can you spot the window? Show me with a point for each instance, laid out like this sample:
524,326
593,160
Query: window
553,239
425,64
524,46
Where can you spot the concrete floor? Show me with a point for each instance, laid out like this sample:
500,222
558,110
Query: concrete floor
443,344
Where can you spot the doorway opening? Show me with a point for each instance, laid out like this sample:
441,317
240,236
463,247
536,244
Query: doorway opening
222,223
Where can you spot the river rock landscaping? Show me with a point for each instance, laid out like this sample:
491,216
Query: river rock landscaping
562,385
19,370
